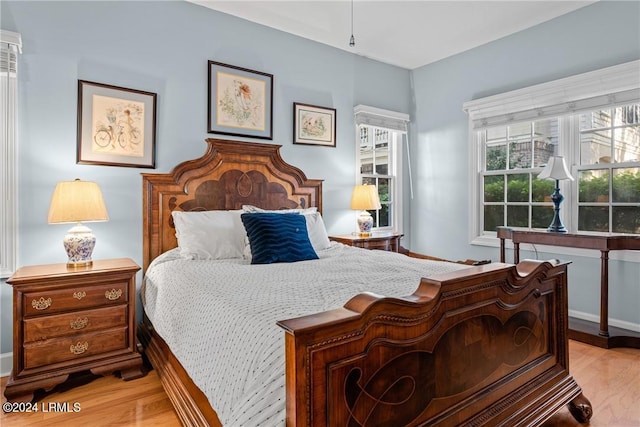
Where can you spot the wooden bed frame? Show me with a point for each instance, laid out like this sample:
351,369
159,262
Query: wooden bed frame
482,346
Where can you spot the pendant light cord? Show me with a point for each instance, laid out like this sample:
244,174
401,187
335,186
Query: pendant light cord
352,40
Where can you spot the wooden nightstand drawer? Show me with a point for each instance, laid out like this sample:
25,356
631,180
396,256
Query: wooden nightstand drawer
76,298
382,245
72,348
379,241
41,328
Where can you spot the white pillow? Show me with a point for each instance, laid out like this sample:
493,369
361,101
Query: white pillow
317,231
315,225
210,234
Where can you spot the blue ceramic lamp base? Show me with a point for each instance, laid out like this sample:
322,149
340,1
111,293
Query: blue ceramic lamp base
556,224
365,224
79,243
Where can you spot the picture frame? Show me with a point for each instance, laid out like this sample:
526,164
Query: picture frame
116,126
240,101
314,125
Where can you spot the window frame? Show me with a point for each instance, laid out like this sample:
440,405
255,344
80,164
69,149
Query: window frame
563,98
512,171
394,202
574,122
396,124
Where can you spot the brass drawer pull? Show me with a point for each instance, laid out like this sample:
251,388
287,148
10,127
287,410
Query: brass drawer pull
113,294
79,348
41,304
79,323
79,295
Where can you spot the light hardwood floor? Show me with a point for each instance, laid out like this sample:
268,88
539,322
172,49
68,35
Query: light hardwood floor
609,378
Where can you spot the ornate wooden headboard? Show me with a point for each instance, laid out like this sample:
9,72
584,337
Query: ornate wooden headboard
230,174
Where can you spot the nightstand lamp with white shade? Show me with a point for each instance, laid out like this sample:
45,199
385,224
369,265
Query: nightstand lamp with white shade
556,169
364,198
77,202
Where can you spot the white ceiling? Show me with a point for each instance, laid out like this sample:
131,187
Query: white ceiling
408,34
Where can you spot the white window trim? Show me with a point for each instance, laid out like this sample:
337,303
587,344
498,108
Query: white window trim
397,122
619,84
9,167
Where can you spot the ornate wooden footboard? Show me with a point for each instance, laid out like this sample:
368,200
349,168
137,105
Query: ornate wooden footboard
484,346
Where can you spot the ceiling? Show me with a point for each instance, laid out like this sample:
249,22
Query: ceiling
408,34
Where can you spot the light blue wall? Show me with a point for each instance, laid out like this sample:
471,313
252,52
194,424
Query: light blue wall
163,47
603,34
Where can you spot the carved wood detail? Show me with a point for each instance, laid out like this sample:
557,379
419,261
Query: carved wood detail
473,346
230,174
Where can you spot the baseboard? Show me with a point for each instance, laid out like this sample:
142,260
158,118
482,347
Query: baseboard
612,322
6,362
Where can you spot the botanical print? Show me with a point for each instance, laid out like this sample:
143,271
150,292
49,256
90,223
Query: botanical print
240,102
117,127
315,126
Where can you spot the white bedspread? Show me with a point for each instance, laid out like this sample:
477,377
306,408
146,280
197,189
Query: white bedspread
219,317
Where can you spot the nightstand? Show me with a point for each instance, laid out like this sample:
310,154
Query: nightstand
67,320
382,241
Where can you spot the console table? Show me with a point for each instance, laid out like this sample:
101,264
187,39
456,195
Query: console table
600,335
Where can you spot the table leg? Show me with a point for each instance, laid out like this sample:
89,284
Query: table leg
604,293
516,252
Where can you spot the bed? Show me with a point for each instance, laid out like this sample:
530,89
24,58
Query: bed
438,343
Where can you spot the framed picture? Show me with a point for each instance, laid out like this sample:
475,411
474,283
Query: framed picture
116,126
313,125
240,101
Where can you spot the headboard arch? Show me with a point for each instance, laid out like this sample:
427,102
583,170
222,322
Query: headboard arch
229,174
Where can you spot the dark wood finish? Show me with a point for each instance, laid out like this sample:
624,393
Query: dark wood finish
483,346
67,320
251,174
41,328
381,241
605,336
588,332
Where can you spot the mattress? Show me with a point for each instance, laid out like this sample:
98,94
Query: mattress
219,316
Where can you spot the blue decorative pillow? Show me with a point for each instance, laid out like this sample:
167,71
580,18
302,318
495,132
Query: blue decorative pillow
278,238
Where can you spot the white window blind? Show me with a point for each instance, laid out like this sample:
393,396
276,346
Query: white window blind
10,47
377,117
617,85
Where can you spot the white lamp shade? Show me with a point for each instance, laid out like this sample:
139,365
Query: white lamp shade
77,201
365,197
556,169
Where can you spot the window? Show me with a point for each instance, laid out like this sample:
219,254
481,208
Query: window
377,167
10,45
593,120
609,170
379,161
514,156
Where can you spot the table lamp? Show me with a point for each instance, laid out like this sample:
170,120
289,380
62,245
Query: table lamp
76,202
556,169
364,198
